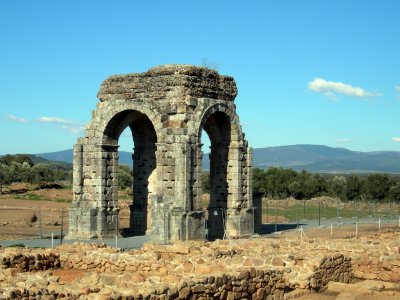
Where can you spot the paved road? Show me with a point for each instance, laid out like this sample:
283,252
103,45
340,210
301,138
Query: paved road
126,243
137,241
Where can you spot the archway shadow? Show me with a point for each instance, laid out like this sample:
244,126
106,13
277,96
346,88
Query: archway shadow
272,227
128,232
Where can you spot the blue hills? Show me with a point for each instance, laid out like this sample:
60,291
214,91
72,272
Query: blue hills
313,158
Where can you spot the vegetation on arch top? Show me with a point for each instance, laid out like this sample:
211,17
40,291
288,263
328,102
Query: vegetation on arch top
169,82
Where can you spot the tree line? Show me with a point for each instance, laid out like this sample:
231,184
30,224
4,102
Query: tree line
275,182
281,183
21,168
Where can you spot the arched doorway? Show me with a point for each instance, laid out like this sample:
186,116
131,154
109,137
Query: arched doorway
144,166
218,128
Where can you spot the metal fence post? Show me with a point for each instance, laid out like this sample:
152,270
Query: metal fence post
286,211
322,209
40,222
356,229
319,214
62,226
355,206
337,210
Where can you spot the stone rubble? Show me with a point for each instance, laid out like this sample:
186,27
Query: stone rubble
259,268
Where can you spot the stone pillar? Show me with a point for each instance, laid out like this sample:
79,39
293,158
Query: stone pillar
106,190
94,212
197,155
233,220
77,175
240,221
144,188
194,220
217,209
159,208
234,177
249,177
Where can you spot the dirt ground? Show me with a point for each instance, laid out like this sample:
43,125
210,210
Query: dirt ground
338,232
20,212
23,205
334,296
68,276
28,212
20,218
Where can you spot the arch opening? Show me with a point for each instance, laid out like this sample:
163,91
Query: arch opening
218,128
135,214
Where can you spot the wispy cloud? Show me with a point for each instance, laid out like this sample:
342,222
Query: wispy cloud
397,87
74,128
343,141
331,89
54,120
68,125
396,139
16,119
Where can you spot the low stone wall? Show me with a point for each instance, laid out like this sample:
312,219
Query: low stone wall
332,268
253,268
385,269
252,284
218,270
28,263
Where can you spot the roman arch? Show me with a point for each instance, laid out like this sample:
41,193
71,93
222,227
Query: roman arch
166,108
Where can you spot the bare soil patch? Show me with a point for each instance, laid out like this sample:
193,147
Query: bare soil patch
69,275
20,212
340,232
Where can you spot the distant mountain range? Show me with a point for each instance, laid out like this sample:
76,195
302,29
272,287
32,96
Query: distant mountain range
313,158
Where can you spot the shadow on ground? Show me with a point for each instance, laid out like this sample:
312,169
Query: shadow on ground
271,228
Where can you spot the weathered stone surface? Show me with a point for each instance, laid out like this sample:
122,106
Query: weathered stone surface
166,108
163,81
155,273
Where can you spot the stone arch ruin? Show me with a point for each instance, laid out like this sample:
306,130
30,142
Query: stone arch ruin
166,109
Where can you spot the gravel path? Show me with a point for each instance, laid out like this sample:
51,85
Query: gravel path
136,242
126,243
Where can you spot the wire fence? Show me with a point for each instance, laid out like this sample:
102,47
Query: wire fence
32,222
331,216
45,222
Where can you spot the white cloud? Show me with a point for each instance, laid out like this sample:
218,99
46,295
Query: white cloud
396,139
16,119
397,87
343,141
70,126
74,129
331,89
54,120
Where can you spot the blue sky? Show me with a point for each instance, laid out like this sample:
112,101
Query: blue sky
308,72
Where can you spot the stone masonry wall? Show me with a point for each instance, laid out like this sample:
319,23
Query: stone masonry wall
259,268
166,109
